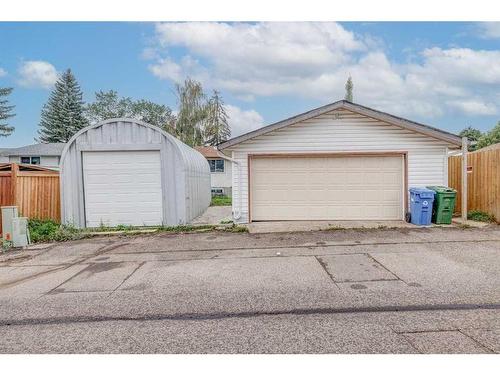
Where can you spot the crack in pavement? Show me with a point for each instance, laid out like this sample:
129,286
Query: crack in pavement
128,277
484,346
250,314
347,244
101,250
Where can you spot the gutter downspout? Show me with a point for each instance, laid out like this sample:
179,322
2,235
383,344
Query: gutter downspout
237,214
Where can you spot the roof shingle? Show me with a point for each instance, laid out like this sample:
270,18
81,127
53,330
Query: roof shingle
38,149
209,151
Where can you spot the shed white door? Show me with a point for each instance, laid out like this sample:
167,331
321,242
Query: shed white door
122,187
327,188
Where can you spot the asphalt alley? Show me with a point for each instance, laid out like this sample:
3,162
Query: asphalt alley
433,290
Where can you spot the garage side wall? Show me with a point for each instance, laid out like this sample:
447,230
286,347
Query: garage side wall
196,173
344,131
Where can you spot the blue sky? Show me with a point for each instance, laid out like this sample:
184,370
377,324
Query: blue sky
445,74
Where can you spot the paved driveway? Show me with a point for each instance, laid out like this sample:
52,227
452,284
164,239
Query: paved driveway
341,291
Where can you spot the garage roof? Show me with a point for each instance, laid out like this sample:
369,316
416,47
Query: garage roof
353,107
209,152
38,149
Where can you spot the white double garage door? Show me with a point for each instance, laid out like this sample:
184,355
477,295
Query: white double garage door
327,187
122,187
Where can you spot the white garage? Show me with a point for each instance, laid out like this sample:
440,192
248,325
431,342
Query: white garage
342,161
125,172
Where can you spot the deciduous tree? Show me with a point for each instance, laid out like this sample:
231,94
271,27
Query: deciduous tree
472,135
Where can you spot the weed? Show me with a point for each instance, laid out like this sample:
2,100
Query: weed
50,231
334,227
480,216
185,228
6,245
236,229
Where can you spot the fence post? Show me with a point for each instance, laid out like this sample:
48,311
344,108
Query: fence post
464,179
14,168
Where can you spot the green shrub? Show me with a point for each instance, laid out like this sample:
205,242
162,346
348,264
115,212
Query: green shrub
221,200
49,230
480,216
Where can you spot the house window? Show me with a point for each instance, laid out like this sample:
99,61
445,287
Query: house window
216,165
217,192
30,160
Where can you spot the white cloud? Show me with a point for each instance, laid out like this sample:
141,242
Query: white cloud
3,72
489,30
37,74
167,69
242,121
313,60
475,107
245,57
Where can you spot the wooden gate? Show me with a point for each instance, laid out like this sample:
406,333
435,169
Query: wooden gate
34,190
483,180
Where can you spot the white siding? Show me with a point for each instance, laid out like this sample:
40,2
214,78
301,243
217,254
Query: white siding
222,179
50,162
345,131
45,161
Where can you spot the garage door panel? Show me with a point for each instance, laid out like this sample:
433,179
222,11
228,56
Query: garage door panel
327,188
122,187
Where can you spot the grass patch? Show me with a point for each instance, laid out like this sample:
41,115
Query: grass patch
480,216
221,200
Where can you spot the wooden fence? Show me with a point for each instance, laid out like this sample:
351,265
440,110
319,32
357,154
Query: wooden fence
483,180
34,190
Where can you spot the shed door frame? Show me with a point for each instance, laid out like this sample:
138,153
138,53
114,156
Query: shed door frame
86,147
402,154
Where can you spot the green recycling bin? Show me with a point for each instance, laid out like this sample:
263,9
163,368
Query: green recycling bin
444,204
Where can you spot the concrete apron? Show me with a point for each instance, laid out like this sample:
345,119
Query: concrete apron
307,226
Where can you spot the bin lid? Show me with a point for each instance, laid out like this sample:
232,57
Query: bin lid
423,192
442,189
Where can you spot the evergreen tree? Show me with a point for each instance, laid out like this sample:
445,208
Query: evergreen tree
63,115
217,129
5,112
349,86
472,135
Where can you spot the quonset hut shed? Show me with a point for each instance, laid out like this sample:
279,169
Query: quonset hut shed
127,172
